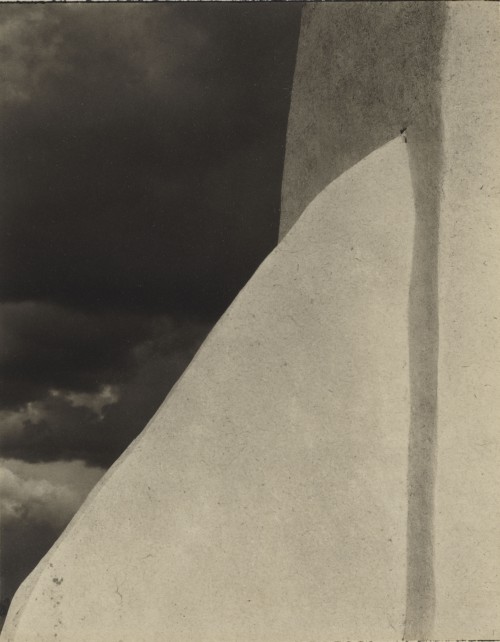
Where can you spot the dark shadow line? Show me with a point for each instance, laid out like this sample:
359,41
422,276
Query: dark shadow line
425,148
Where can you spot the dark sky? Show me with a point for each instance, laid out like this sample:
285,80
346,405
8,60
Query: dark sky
141,159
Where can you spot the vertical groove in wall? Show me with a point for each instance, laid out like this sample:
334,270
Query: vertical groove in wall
426,161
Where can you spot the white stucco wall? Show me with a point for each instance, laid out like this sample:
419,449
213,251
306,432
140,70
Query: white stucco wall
467,559
266,499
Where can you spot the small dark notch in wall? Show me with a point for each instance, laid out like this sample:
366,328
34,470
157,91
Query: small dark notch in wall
364,72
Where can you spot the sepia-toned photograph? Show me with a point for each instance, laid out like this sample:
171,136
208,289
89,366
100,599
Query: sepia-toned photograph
250,321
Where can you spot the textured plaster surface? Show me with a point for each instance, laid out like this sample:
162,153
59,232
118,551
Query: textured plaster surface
334,445
467,555
364,71
432,69
266,500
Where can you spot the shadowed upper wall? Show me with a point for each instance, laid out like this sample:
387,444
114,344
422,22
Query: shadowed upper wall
364,71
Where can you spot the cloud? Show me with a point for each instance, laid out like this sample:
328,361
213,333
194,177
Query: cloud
142,157
48,346
29,46
27,499
106,396
142,151
97,427
109,186
36,503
